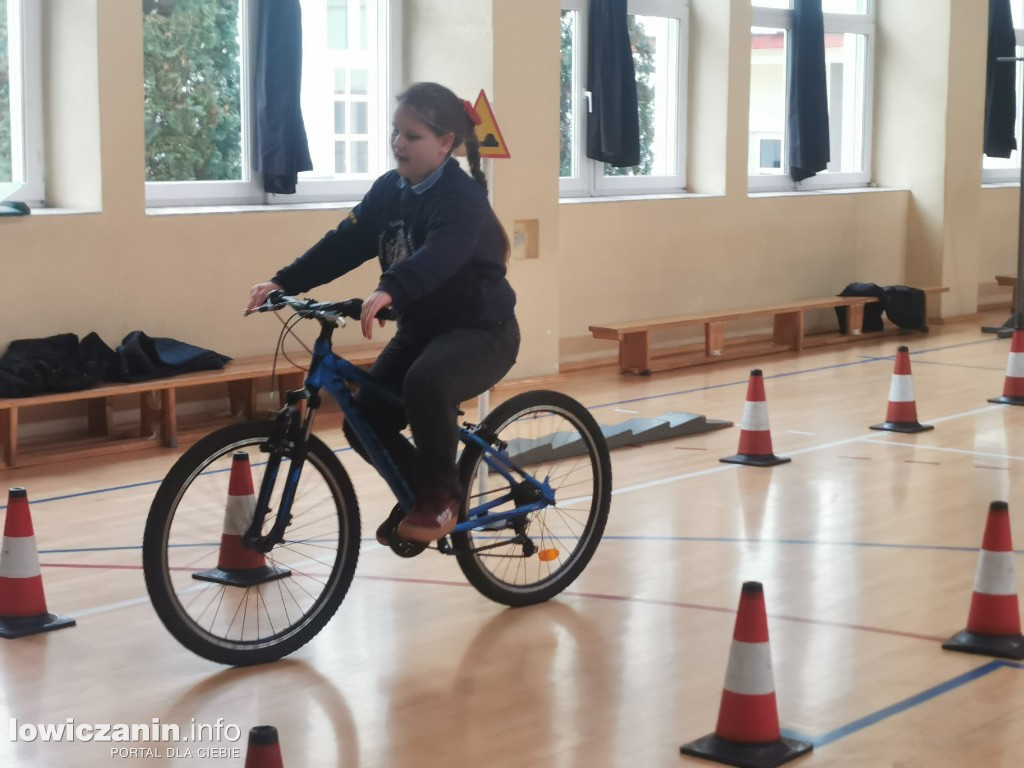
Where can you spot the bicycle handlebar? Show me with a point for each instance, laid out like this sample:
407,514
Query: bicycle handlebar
326,310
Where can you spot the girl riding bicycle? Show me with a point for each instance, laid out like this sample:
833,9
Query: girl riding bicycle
443,256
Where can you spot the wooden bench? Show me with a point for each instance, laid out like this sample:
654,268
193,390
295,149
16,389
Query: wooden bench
788,333
1011,282
157,406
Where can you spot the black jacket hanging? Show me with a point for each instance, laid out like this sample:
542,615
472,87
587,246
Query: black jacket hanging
613,126
1000,82
281,149
807,114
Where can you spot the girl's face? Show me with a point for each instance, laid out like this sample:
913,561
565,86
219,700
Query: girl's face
418,150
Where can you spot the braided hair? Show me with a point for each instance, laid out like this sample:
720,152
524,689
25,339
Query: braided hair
444,112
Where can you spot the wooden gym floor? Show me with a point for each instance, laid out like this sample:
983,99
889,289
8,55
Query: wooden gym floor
866,544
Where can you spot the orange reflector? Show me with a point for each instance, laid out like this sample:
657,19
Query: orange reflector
547,555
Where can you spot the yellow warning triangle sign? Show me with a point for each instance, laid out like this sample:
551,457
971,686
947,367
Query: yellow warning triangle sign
492,143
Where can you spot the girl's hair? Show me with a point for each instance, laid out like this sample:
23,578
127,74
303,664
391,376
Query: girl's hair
445,113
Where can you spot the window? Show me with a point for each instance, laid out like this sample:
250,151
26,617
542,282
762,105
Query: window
849,40
1001,170
199,76
21,131
658,32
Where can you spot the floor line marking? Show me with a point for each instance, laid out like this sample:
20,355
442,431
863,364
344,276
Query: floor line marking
863,360
921,446
907,703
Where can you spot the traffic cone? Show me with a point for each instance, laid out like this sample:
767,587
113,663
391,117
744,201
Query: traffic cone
263,750
901,415
993,623
748,732
755,446
1013,386
22,602
238,565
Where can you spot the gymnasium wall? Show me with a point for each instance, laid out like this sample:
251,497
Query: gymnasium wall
106,264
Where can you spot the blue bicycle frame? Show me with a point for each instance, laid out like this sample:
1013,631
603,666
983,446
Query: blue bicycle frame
333,373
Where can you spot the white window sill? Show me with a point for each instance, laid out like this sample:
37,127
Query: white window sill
634,198
1000,185
833,191
64,211
199,210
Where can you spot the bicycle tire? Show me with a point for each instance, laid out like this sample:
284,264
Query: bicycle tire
181,540
548,424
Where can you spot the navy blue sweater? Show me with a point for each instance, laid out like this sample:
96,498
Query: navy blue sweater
441,253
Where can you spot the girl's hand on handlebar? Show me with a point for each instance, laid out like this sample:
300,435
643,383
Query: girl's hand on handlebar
258,294
373,304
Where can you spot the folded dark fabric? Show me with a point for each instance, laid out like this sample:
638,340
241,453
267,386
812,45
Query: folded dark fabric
62,363
141,357
872,312
903,305
58,363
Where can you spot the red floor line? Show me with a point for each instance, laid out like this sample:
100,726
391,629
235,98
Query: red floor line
594,596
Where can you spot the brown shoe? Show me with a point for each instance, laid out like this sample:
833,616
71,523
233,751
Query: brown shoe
430,519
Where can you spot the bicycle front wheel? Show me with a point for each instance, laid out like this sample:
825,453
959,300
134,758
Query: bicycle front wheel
532,557
229,603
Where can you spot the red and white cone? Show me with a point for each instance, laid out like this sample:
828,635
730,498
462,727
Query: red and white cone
238,565
748,731
993,623
1013,386
263,751
755,446
22,602
901,415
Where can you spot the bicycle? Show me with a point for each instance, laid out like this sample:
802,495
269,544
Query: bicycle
537,480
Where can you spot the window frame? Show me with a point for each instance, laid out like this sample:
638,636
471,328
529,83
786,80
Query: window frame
25,69
249,191
834,23
1011,174
591,180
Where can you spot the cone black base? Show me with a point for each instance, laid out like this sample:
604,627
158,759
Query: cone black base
19,626
746,755
1001,646
755,460
907,427
243,577
1007,400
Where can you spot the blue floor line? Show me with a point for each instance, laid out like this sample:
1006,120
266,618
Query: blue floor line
589,407
902,706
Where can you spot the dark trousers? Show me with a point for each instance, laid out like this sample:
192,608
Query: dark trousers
433,376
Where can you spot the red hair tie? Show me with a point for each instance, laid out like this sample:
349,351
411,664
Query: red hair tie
471,113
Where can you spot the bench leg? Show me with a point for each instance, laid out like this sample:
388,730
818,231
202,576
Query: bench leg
242,395
9,435
100,415
169,418
789,329
714,338
635,353
149,413
854,319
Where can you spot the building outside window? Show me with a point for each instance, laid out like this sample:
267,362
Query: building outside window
849,45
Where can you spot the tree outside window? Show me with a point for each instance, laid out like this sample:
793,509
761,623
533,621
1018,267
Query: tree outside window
643,63
5,99
192,90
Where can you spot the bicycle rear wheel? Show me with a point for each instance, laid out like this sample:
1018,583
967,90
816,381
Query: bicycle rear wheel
533,557
229,603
